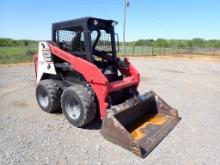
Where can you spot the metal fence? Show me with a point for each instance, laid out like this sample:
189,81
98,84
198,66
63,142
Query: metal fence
151,51
15,54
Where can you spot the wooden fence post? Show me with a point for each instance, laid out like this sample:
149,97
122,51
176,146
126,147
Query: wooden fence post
152,51
192,53
142,50
177,53
28,51
133,50
213,53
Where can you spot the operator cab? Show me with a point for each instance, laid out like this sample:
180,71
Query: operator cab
92,39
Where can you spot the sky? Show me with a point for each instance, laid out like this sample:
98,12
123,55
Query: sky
146,19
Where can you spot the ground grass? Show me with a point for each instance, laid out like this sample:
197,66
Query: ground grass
18,54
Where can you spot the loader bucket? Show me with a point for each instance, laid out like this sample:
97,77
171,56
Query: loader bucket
139,124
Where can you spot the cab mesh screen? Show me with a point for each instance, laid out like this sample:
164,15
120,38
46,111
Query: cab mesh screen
72,39
101,41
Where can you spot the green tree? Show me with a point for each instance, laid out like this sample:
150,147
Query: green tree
161,43
198,42
26,43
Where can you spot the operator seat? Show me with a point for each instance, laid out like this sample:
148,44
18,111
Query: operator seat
77,44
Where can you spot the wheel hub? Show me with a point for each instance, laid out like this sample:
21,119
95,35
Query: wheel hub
72,108
43,98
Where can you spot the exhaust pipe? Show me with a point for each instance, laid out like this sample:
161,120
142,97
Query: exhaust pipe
140,123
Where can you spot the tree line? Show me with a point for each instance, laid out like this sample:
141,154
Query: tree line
174,43
12,42
164,43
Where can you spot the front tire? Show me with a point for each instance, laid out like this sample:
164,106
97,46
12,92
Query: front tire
48,94
78,105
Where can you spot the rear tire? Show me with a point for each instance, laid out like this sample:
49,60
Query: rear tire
48,94
79,105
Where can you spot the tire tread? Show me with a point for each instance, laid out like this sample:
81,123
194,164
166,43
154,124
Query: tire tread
88,101
54,93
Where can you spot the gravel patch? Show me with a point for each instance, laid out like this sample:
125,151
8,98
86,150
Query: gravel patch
31,136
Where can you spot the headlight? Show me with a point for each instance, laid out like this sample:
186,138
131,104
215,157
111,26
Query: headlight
96,22
114,23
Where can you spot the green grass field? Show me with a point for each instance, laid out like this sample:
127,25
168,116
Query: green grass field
17,54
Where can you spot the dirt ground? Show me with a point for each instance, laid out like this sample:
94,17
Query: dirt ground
31,136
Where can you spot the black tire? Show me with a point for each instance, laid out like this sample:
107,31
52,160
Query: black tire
79,105
48,94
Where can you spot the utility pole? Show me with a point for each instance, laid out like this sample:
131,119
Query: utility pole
126,4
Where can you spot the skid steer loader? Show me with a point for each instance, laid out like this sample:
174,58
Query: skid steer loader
79,72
